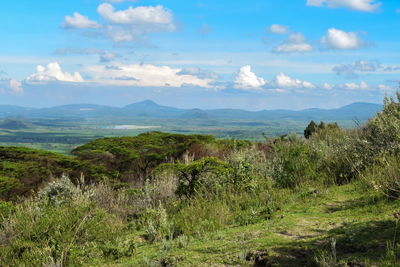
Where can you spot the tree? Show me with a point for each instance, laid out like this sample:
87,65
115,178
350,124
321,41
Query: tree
310,130
196,174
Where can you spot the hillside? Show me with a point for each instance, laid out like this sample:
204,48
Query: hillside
161,199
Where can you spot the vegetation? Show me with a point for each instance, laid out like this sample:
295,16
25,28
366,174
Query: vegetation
160,199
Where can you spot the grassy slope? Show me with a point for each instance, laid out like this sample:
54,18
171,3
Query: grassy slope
361,224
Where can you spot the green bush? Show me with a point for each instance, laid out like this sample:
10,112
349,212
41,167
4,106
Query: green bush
207,174
295,163
384,176
69,230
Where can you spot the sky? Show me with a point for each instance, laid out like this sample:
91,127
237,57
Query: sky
253,54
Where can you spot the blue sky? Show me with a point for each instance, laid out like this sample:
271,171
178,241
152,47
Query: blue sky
208,54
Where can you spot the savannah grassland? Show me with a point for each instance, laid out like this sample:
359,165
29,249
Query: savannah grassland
167,199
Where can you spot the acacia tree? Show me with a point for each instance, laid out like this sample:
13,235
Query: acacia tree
208,172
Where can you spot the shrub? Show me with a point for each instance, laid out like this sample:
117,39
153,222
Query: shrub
295,163
207,173
154,222
60,227
384,176
58,192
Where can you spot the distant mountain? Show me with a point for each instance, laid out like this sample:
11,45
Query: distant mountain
150,109
11,124
196,114
8,110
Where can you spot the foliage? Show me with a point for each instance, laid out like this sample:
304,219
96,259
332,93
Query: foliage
295,163
310,129
58,192
24,170
207,173
384,176
70,231
134,157
382,133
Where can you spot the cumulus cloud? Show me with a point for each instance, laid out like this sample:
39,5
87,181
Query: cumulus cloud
354,86
341,40
148,75
16,87
327,86
247,80
78,21
133,24
53,72
128,25
282,80
278,29
156,16
359,5
296,43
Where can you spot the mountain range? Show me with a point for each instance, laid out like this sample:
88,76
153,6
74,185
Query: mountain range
150,109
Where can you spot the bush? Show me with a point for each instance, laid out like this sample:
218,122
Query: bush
58,192
295,163
207,174
154,221
384,176
61,227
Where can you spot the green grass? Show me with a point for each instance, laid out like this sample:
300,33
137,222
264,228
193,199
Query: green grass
361,224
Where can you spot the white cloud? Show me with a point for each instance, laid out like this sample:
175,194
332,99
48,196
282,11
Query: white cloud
359,5
354,86
296,43
327,86
53,72
133,24
78,21
282,80
278,29
246,79
341,40
157,16
16,87
147,75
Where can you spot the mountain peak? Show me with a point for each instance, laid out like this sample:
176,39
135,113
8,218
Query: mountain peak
147,103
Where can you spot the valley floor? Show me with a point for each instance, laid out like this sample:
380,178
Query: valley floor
344,226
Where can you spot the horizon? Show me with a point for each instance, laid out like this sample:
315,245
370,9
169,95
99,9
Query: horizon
202,54
189,108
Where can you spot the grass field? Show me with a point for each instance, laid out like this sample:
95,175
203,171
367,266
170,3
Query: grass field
301,234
